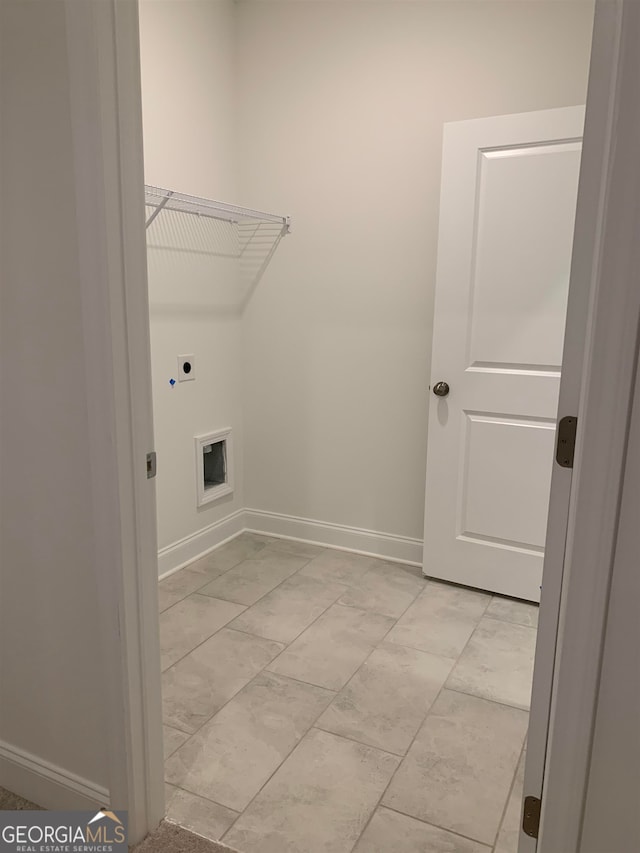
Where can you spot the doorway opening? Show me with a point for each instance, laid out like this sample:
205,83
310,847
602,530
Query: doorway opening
326,682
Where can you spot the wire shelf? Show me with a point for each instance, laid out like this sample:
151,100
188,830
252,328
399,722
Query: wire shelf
159,199
205,240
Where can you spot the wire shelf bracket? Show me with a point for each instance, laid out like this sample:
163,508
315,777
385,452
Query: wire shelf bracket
160,199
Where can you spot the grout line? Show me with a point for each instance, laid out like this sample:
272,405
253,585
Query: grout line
342,735
429,652
508,621
264,668
167,757
419,729
437,826
189,567
287,643
314,725
208,799
239,690
307,560
206,582
301,681
511,787
374,647
356,742
237,604
360,667
379,803
318,685
284,759
486,699
197,646
346,587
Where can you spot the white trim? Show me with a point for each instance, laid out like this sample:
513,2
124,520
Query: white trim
591,193
611,263
179,554
50,786
386,546
105,93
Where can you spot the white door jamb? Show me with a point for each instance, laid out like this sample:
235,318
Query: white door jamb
105,92
598,372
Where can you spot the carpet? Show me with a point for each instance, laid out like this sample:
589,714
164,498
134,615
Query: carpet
10,802
171,838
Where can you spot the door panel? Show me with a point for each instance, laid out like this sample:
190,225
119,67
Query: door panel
494,446
509,189
522,255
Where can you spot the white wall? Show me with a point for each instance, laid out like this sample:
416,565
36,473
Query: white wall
341,107
188,73
187,62
52,692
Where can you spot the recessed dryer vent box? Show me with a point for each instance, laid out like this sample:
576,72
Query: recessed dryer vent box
214,466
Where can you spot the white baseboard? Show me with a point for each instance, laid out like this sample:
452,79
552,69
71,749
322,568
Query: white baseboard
45,784
185,551
399,549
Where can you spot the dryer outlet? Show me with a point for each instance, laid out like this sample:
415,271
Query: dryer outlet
186,368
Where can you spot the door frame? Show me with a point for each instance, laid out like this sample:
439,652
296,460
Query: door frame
597,384
106,113
115,319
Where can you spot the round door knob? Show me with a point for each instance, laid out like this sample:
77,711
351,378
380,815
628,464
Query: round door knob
441,389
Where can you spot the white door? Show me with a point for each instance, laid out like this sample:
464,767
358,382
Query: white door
509,186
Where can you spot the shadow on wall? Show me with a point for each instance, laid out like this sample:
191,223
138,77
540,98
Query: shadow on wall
201,265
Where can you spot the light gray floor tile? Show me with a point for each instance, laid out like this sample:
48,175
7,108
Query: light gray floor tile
243,547
250,580
390,832
197,814
497,663
459,769
512,610
387,699
234,754
180,585
339,566
386,588
190,622
510,830
291,546
172,739
290,608
319,800
440,620
200,684
332,649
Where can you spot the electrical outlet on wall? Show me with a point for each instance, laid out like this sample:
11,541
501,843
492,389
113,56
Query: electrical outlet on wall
186,368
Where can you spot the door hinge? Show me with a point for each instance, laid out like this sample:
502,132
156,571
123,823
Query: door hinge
151,464
566,446
531,816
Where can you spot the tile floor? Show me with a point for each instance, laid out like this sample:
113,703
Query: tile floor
317,701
